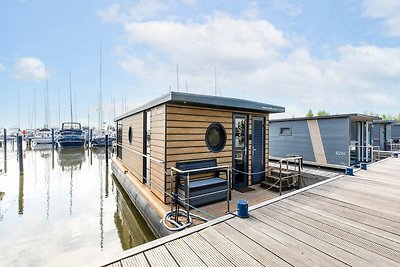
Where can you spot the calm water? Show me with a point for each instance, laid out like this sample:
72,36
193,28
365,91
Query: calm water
67,209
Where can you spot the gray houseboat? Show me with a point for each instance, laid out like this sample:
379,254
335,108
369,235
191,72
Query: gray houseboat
331,141
190,131
386,135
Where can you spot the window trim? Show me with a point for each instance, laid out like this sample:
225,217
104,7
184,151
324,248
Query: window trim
222,144
282,131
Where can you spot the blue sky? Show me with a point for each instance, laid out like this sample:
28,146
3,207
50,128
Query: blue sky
340,56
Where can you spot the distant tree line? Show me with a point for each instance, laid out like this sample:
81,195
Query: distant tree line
383,115
319,113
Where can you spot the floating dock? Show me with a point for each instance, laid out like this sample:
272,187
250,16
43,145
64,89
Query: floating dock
346,220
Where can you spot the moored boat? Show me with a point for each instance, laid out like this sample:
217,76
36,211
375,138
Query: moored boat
43,137
71,135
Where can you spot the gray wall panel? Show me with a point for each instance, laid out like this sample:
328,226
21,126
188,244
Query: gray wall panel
298,143
395,131
335,134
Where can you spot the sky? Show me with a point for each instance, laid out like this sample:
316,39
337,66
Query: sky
337,56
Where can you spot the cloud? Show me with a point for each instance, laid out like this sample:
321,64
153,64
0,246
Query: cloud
288,7
142,10
30,69
252,12
256,60
189,2
387,10
2,68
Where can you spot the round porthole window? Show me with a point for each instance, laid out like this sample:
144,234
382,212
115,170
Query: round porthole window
215,137
130,135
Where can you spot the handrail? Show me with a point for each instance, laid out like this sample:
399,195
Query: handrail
201,169
296,160
187,182
143,155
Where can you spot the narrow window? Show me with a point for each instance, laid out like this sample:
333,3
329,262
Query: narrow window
130,135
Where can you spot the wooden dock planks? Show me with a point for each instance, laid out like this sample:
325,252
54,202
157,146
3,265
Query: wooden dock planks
348,221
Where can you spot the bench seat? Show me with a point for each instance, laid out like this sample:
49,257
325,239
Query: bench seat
202,186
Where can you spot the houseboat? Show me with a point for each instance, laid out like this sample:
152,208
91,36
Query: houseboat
334,141
386,135
182,130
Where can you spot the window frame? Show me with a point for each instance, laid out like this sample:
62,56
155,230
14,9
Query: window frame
282,131
220,129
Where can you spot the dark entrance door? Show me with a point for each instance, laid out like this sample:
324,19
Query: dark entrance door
239,151
257,149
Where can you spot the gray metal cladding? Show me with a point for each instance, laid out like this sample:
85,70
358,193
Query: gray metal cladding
298,143
335,139
396,131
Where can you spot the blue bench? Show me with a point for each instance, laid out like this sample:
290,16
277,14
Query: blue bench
214,187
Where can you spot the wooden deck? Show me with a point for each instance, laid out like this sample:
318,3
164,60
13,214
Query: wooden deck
346,220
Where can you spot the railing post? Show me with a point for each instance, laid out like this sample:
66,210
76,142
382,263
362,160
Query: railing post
106,144
20,156
187,197
170,180
228,188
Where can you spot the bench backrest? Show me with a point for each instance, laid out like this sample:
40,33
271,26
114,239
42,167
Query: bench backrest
198,164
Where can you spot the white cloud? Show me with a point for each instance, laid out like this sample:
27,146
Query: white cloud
288,7
30,69
252,12
388,10
255,60
2,68
143,9
189,2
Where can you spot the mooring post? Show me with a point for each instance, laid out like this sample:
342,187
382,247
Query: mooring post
90,137
52,139
20,156
106,149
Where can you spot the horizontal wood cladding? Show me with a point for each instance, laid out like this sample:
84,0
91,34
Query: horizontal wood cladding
186,129
157,150
133,161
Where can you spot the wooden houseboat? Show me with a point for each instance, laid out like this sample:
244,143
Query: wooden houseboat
330,141
179,128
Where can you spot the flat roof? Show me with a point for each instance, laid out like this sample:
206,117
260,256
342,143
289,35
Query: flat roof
352,116
207,101
385,121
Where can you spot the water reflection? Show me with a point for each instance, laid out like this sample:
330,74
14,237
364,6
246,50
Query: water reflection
127,219
71,158
21,195
64,208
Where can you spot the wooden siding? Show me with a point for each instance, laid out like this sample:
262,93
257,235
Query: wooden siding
133,161
177,133
185,138
157,150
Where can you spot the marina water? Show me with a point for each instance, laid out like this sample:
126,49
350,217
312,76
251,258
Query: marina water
67,209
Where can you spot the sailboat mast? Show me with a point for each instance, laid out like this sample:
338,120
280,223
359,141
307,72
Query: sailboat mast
47,119
59,109
70,95
100,96
34,103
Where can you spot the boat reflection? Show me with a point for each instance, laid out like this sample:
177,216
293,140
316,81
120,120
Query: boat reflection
71,159
131,227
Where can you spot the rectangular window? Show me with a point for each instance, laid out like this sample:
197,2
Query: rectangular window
285,131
